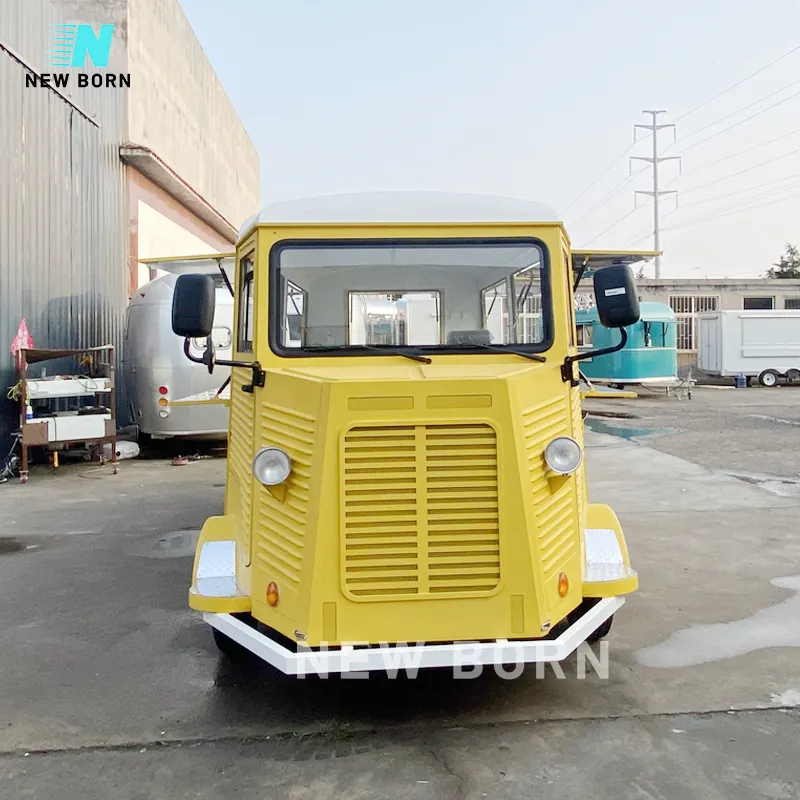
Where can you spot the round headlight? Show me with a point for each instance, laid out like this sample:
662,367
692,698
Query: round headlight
271,466
563,455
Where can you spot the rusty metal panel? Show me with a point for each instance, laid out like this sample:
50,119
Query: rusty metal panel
63,216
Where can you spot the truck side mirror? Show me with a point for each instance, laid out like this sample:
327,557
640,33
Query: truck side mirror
616,296
193,306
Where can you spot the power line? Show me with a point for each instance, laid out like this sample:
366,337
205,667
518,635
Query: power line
700,220
747,200
741,122
739,83
603,173
767,44
742,191
747,204
616,190
610,227
743,152
747,38
646,233
739,111
741,172
764,46
640,237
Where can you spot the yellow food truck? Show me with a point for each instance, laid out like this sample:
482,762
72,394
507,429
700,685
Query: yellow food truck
405,476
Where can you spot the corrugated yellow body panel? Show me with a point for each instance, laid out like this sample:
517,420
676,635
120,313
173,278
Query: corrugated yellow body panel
281,524
288,525
240,458
555,513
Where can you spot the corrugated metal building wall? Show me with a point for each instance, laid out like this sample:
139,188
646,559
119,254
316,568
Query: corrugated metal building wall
63,230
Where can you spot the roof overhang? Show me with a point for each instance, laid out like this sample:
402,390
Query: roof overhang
401,208
178,265
597,259
144,160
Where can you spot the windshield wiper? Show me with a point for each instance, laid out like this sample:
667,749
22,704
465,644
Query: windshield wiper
388,350
504,348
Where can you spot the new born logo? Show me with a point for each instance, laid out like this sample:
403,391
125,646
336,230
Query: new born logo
71,46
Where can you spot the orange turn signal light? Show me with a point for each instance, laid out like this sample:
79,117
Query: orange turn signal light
162,401
272,594
563,584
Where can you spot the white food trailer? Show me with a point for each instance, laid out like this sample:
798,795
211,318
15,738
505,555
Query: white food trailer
756,344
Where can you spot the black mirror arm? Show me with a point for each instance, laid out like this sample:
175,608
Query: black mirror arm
566,367
187,353
258,373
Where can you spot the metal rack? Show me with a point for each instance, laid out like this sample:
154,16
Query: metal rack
66,428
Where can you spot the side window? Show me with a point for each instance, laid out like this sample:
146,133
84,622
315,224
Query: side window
569,300
246,304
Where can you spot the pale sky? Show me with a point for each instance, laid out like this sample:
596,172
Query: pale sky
532,99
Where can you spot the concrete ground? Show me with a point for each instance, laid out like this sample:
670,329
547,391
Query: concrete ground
110,687
742,430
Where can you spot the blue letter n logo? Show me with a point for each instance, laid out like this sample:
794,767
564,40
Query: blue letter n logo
72,43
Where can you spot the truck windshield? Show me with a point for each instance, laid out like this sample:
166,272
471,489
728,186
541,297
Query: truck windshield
379,296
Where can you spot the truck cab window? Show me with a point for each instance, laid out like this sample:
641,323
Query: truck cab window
569,300
442,296
246,305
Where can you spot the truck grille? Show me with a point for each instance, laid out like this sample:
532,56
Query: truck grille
420,513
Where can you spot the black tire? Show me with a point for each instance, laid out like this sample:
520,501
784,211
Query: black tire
228,646
768,378
603,630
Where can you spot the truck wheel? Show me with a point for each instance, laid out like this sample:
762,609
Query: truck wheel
603,630
228,646
768,378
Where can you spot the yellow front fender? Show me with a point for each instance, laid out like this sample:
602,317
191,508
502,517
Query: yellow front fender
214,584
607,566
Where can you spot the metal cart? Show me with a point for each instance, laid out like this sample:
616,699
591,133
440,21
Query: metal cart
95,379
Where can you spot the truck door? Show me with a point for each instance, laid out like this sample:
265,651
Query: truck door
242,431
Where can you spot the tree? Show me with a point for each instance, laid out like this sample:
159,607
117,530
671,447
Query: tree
788,266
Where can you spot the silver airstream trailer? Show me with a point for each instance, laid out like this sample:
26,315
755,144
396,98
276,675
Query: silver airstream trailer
154,364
